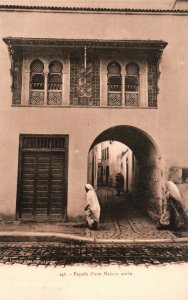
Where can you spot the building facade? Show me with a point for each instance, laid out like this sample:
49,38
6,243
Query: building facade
72,78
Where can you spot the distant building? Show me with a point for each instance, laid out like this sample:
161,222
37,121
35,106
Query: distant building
109,158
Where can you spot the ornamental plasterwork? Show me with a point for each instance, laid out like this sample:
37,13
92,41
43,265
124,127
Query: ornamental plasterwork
85,83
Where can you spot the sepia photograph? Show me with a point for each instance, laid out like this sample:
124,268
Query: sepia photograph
94,149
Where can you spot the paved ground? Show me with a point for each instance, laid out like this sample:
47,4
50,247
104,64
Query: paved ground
63,254
121,219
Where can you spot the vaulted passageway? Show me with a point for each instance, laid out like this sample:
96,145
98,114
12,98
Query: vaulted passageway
147,186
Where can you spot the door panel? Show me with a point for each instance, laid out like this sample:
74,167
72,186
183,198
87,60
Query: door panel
43,185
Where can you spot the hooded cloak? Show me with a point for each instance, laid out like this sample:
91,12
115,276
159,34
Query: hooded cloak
93,202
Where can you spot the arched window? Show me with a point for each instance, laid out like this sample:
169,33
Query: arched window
132,83
114,84
55,83
37,82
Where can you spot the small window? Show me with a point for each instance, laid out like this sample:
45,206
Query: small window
37,83
55,83
114,84
132,85
107,152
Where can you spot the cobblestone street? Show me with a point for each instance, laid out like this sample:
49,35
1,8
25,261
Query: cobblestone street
120,219
63,254
120,222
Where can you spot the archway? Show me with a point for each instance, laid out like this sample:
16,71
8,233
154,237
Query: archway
147,189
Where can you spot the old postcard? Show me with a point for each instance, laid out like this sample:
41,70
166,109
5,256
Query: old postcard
93,149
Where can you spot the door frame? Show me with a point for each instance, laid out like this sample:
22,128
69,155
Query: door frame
65,150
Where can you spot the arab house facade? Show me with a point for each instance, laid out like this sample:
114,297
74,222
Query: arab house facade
73,78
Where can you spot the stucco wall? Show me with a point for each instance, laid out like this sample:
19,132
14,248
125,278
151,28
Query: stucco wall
166,125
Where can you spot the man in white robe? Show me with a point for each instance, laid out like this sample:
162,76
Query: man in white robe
92,208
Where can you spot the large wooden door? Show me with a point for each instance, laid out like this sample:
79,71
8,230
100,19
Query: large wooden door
43,183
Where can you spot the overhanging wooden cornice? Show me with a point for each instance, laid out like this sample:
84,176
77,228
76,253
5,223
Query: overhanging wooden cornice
92,43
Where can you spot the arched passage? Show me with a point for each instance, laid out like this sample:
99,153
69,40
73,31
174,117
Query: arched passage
148,192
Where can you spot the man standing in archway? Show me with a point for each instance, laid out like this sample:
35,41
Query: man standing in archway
119,183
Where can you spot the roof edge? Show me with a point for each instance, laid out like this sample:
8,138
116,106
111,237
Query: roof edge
91,9
140,44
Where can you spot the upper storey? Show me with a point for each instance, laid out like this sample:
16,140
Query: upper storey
99,73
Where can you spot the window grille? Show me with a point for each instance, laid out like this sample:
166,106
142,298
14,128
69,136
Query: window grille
55,67
132,85
42,143
55,83
37,83
114,68
114,84
37,66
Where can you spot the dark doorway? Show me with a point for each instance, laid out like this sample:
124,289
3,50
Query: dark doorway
107,175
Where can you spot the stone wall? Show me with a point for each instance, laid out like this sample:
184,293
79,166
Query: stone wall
183,187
